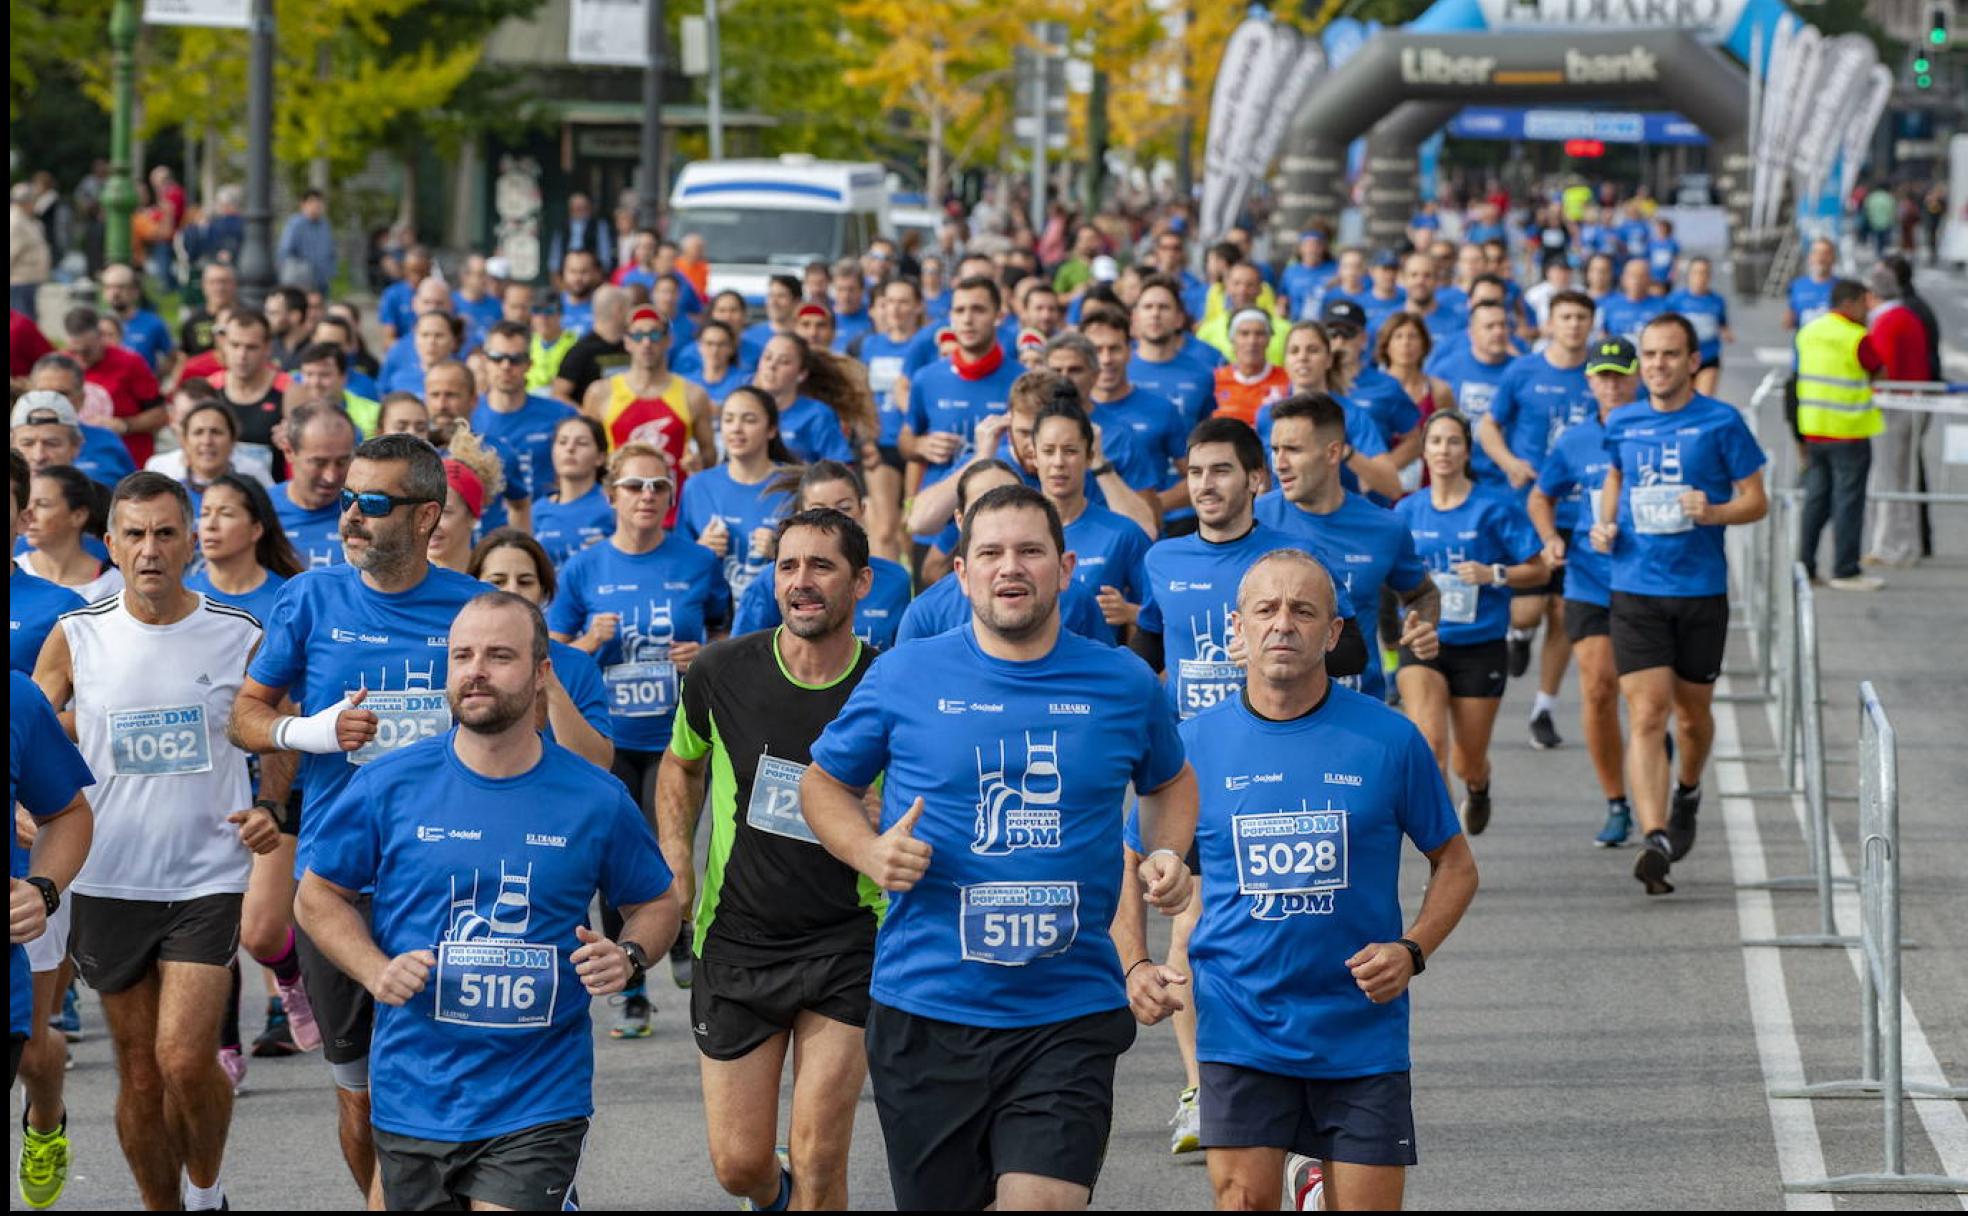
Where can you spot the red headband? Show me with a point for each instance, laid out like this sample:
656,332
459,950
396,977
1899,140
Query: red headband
467,484
811,309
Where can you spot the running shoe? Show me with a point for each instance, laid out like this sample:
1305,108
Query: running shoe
680,960
634,1020
301,1025
1619,825
1305,1182
1681,822
1188,1125
69,1020
278,1038
1476,810
1652,865
233,1061
43,1163
1520,654
1544,735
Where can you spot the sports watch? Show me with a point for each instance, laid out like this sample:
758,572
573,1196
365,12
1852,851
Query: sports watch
50,894
1500,574
1414,952
638,962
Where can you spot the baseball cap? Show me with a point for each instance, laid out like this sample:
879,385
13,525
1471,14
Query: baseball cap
1385,258
1105,269
1612,355
1343,312
42,407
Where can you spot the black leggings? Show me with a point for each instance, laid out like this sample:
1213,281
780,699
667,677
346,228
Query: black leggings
637,770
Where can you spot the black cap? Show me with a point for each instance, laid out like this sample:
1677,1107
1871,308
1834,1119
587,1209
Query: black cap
1343,312
1612,355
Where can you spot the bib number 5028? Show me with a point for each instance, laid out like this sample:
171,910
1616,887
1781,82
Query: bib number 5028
1297,857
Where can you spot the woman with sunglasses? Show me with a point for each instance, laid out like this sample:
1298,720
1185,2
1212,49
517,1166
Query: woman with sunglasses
729,508
878,615
63,529
1477,543
575,513
577,701
643,604
476,475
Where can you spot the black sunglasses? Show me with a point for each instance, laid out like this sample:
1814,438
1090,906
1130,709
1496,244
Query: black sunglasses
514,357
376,504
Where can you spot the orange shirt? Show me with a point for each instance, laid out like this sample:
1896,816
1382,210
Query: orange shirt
1236,398
699,274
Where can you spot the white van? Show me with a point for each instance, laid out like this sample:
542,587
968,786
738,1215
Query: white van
764,217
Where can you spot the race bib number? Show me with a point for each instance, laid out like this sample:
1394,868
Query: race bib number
641,690
1289,852
1706,326
402,718
1011,924
1474,397
1200,684
160,742
883,371
775,803
1459,599
1657,510
506,985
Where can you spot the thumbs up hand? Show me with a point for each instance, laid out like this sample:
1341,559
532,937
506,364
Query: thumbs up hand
896,860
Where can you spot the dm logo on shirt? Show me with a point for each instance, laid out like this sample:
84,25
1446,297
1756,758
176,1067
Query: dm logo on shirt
487,973
1024,815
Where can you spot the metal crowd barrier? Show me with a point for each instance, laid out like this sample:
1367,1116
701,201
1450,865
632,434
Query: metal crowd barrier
1880,1005
1920,397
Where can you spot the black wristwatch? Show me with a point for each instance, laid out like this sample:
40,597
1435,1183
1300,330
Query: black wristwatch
50,894
638,963
1102,470
274,809
1414,952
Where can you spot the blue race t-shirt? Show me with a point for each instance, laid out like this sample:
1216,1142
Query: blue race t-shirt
1662,253
104,457
565,528
581,677
674,593
259,601
1474,384
393,307
315,534
1023,768
1571,478
329,634
716,494
527,433
813,432
1378,309
1381,395
1810,298
1299,834
44,773
1536,403
944,606
146,335
1445,322
1708,312
1108,549
877,616
1189,384
942,400
1705,445
889,361
735,376
1621,316
1489,526
1364,548
1302,284
1192,589
1144,437
33,603
493,875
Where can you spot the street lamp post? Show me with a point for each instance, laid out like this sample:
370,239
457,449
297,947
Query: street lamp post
256,276
649,208
119,196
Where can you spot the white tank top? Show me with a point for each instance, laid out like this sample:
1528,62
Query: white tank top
151,707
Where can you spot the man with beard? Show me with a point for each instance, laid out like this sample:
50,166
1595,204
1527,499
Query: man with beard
480,953
785,934
368,643
998,1003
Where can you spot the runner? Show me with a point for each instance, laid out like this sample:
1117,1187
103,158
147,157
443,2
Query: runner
1366,545
785,935
825,409
878,614
647,404
1708,311
1160,363
1249,381
152,671
1562,509
33,602
575,512
576,700
732,507
894,353
1314,365
999,1004
53,817
948,398
643,603
509,416
1107,548
245,561
474,475
1157,432
62,528
1291,1061
1542,394
1477,544
362,648
1474,373
480,953
319,443
1684,467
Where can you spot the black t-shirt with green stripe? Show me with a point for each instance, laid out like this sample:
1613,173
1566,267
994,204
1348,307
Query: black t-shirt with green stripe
770,892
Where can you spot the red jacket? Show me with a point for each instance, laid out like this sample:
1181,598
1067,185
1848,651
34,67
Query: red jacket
1901,341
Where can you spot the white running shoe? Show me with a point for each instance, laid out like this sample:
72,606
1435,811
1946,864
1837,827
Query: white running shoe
1305,1182
1188,1124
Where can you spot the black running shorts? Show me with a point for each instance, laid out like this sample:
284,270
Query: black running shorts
116,942
1480,669
1688,633
1358,1120
1583,620
733,1009
343,1009
531,1170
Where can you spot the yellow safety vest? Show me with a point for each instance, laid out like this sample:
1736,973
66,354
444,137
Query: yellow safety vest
1834,393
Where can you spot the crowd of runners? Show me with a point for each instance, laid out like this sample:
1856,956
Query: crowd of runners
875,666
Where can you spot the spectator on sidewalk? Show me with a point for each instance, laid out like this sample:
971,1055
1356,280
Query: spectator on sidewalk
306,253
583,230
1896,333
29,259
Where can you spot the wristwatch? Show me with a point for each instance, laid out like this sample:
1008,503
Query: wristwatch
1414,952
274,809
50,894
1500,574
1102,470
638,962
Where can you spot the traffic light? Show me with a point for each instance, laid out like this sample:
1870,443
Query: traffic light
1938,24
1923,69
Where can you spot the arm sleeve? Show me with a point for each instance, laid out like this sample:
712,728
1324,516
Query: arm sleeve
1407,572
1555,479
756,608
582,679
58,772
566,612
